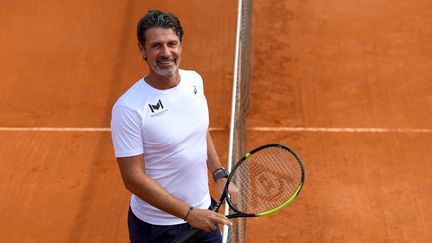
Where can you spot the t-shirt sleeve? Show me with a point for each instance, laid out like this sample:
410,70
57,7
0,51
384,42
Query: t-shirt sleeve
126,132
200,83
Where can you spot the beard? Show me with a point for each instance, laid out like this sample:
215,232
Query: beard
165,70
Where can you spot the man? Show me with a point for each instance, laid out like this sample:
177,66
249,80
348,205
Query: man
162,144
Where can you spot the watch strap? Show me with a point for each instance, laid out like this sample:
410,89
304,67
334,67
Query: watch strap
220,173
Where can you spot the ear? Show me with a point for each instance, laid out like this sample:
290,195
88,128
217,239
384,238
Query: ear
142,50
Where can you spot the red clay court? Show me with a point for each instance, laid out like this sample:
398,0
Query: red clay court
347,84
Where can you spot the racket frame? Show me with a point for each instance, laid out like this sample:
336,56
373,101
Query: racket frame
225,194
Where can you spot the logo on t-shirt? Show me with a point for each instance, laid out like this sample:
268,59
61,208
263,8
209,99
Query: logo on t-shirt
195,89
157,109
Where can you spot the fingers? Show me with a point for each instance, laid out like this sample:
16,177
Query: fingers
221,219
206,220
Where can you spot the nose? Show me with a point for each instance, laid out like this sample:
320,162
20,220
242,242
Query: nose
165,51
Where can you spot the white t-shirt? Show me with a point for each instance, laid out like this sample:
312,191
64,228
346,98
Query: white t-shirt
169,127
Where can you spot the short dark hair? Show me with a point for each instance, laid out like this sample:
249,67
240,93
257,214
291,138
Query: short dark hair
157,18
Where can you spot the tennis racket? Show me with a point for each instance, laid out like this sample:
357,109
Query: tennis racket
268,178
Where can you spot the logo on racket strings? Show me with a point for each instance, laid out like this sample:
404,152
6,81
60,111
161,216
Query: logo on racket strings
271,185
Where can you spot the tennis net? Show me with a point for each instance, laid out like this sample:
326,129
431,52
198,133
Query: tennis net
240,106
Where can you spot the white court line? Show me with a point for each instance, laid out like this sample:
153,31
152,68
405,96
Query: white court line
54,129
340,130
258,129
68,129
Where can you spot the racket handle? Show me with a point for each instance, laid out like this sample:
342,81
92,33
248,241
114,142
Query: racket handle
186,236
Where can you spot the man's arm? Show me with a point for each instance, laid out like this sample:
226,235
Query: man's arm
137,182
213,162
143,186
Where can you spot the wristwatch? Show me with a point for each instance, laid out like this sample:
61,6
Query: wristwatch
220,173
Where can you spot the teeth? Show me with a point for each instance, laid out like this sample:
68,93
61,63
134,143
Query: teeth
166,61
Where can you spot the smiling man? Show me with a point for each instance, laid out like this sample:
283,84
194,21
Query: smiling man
162,144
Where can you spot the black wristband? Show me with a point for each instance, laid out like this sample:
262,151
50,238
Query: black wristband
220,173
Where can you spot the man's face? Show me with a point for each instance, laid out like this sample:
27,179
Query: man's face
163,50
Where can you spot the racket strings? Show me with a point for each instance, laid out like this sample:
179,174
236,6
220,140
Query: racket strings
266,180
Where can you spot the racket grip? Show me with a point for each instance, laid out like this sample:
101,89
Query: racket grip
186,236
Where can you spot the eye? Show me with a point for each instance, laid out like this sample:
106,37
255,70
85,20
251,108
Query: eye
155,46
172,44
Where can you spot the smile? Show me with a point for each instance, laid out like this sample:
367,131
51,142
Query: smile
165,62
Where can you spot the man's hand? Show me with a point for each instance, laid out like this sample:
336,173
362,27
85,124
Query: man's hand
206,220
